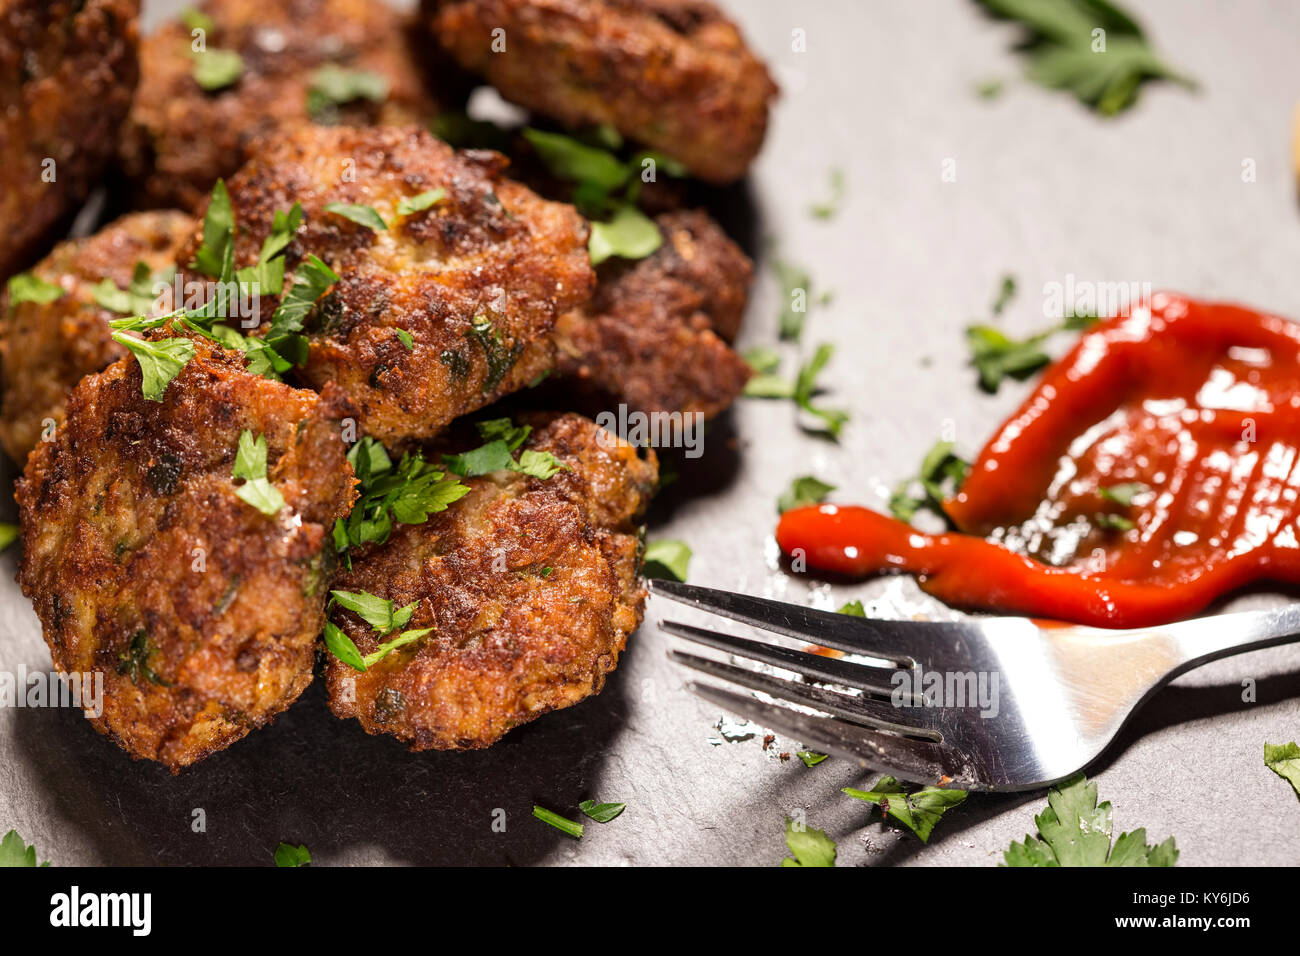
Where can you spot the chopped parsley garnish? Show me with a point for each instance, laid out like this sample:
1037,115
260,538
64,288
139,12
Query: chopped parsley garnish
1094,49
286,854
763,359
196,19
500,359
216,69
796,288
406,338
996,355
134,661
267,277
1123,494
601,812
852,609
333,86
382,616
828,209
809,847
667,559
1075,830
14,851
1284,760
136,299
218,234
563,824
919,811
805,490
419,203
618,227
160,361
501,439
1006,292
362,215
1113,522
8,534
407,493
802,390
810,758
629,234
942,474
29,287
250,465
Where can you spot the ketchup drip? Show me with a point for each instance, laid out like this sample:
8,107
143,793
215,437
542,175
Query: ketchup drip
1196,403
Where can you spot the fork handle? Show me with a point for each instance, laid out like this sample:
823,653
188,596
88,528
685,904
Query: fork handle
1206,639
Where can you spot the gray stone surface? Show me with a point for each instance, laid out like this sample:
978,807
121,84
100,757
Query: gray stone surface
1043,189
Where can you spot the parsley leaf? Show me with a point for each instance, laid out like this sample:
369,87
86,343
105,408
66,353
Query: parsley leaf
1066,50
332,86
160,361
1113,522
424,200
563,824
918,811
218,233
629,234
1006,292
1284,760
250,465
407,492
362,215
29,287
342,647
1123,494
137,298
996,356
667,559
378,612
502,439
828,209
796,287
216,69
601,812
8,534
942,474
134,661
310,281
14,851
810,847
852,609
801,391
805,490
196,19
810,758
286,854
577,162
1075,830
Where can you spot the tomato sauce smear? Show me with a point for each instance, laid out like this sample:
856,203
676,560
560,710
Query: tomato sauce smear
1153,469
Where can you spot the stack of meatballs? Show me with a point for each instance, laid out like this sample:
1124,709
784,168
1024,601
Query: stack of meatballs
141,552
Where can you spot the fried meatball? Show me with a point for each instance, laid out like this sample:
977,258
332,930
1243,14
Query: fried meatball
200,611
672,74
47,348
447,308
530,587
655,334
67,71
180,138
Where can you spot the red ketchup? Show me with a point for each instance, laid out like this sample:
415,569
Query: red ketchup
1192,408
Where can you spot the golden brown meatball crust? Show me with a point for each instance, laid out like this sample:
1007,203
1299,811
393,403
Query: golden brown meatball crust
530,586
180,139
47,348
477,279
67,70
653,335
672,74
200,611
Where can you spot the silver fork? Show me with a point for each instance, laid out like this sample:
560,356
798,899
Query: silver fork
1054,696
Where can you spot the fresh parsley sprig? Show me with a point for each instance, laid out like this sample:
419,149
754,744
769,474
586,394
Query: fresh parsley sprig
767,384
942,473
250,466
382,616
919,810
406,492
808,847
1075,830
502,438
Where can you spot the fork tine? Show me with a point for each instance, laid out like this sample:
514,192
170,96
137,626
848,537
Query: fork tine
852,635
916,761
865,677
869,711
